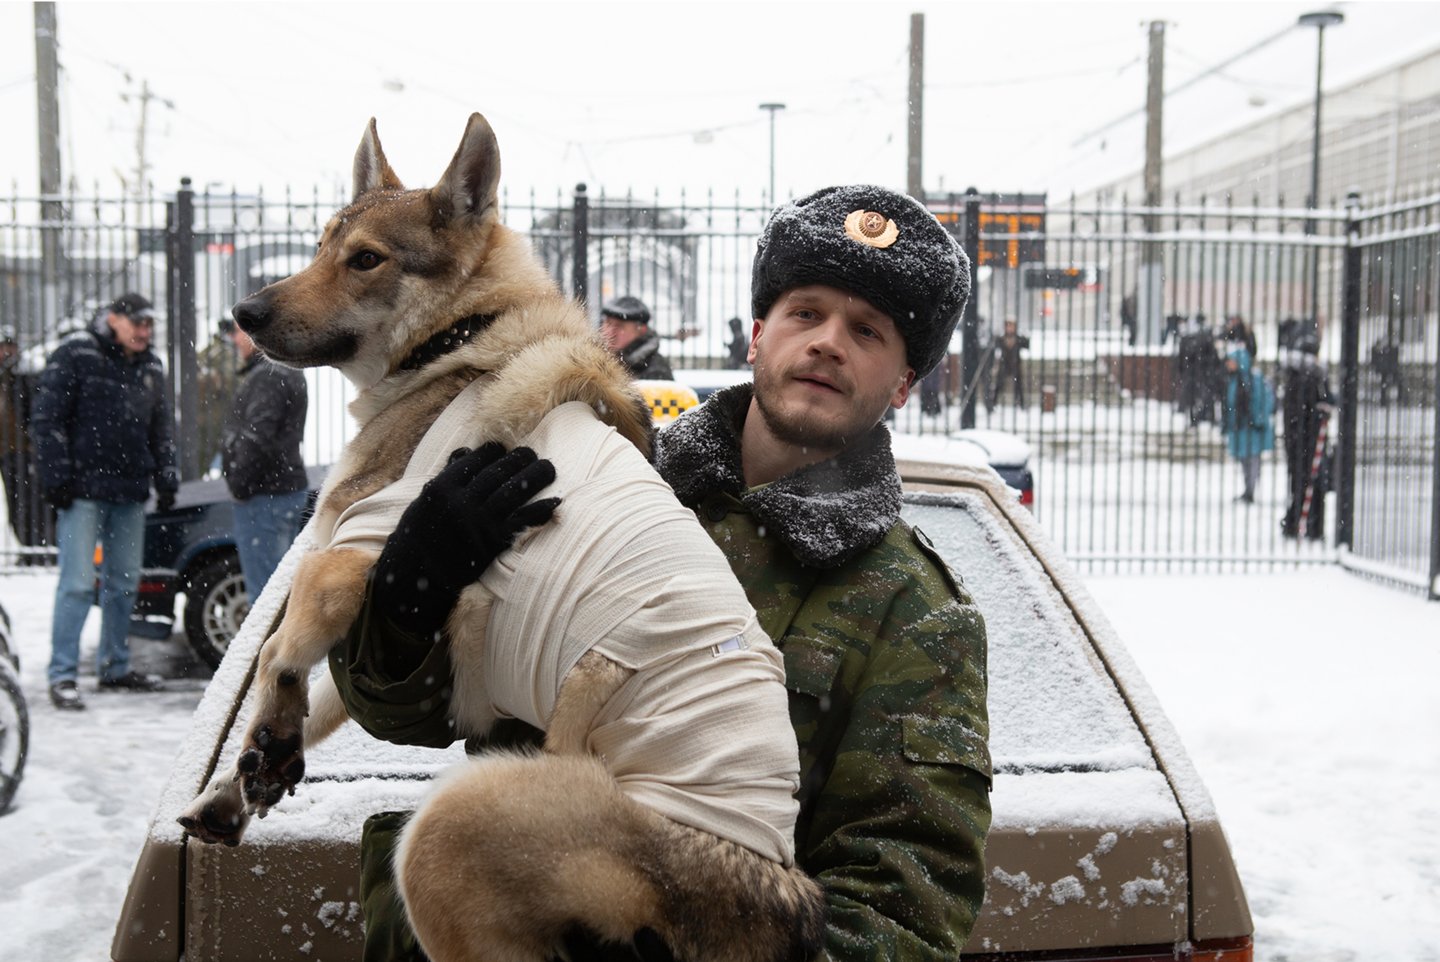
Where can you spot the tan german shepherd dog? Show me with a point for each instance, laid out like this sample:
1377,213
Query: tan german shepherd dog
519,849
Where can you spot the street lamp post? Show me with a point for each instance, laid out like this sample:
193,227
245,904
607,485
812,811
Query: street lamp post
1319,19
772,108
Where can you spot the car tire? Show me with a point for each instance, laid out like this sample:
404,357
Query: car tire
215,605
14,734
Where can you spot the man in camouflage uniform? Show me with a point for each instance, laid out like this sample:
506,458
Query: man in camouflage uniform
855,293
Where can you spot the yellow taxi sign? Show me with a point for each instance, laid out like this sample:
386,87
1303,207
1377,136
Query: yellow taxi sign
667,399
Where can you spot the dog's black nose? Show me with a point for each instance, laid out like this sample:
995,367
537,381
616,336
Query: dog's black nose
252,314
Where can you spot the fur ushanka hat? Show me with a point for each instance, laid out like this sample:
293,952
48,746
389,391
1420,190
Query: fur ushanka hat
878,244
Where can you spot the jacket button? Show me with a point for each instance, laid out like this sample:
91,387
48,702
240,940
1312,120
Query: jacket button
716,511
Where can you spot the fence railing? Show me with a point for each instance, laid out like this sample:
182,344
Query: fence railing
1120,389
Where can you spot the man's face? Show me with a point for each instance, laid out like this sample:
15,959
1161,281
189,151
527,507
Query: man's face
132,335
619,334
827,365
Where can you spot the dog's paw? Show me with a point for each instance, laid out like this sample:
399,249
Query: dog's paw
217,814
271,764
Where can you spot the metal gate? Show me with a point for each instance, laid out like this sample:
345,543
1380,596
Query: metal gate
1119,388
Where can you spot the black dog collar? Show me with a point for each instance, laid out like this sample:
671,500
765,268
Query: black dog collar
446,341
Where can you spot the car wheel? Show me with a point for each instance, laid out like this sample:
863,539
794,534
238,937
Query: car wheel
14,734
215,606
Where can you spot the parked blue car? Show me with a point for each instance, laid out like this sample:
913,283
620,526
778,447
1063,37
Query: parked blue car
190,550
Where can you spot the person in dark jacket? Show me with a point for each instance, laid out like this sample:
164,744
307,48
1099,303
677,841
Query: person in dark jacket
625,326
1008,367
103,433
31,517
855,292
1306,407
260,458
738,347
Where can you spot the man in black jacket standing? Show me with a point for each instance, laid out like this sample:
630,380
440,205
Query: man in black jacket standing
625,326
260,457
103,434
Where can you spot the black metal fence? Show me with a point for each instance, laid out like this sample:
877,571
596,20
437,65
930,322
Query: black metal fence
1119,387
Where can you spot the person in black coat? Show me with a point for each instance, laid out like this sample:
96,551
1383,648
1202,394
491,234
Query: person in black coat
31,517
103,434
1307,403
625,326
738,347
1008,369
260,458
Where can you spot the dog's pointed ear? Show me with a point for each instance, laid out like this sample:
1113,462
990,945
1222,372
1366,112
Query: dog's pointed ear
372,170
468,186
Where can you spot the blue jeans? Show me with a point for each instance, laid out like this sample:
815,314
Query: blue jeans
119,529
265,525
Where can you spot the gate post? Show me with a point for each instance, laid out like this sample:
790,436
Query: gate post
182,335
1349,374
1434,591
970,322
580,239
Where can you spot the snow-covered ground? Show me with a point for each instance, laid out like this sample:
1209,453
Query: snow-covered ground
1306,700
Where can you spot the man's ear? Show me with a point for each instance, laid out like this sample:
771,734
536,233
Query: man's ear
755,329
902,392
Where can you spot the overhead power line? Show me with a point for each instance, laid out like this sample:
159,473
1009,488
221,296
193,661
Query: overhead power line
1140,111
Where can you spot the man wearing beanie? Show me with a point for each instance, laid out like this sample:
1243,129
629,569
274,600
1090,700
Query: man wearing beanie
625,327
103,436
855,292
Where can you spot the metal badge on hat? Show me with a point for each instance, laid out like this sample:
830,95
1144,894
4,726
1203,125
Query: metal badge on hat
871,228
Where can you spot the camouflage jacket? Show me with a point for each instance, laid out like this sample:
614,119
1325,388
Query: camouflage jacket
885,663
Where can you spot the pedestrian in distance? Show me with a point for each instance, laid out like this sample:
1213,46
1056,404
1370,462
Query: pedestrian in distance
1385,362
1306,408
103,432
31,517
261,461
1009,369
855,292
625,326
1237,331
738,348
1248,412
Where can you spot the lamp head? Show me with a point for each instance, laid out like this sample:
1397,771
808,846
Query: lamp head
1321,18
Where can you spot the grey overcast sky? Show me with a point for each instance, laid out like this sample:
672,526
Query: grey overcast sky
649,96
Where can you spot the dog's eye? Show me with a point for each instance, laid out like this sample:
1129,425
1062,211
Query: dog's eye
366,260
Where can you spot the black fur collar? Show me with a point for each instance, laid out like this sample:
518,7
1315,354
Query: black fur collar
446,341
825,513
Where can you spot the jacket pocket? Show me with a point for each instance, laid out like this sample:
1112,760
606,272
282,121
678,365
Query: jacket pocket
936,740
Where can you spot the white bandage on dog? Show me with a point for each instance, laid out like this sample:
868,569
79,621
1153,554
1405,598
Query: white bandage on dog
701,732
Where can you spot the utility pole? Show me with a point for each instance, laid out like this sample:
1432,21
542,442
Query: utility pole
914,180
772,107
52,211
1149,306
142,164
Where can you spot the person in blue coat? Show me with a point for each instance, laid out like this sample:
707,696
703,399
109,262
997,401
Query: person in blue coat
1249,414
103,436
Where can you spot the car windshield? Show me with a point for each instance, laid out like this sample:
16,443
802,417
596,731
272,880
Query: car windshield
1039,654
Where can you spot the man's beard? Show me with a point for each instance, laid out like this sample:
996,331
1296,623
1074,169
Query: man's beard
802,429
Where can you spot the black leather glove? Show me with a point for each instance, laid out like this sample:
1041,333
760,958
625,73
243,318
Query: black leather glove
462,519
61,496
582,945
164,500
